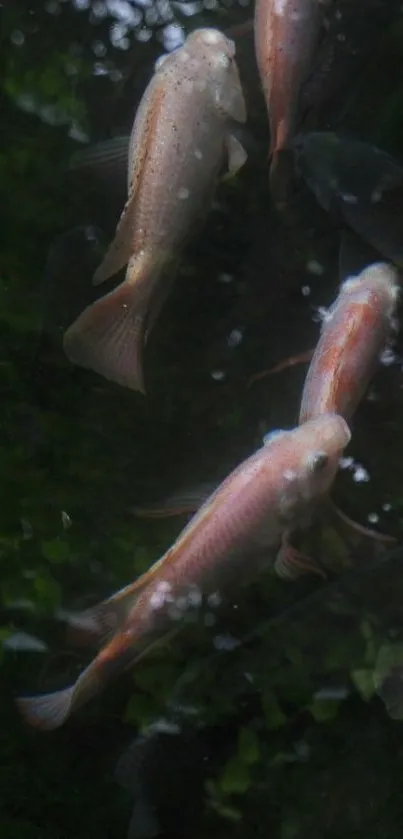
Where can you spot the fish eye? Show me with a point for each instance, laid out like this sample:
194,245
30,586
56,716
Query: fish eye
318,461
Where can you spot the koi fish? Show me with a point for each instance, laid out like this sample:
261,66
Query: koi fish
181,134
286,34
361,183
354,333
252,510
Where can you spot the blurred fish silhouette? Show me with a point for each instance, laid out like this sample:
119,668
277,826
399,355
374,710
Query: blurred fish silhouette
359,182
250,514
180,135
286,35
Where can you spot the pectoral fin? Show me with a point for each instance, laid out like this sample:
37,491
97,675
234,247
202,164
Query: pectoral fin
237,155
108,158
291,564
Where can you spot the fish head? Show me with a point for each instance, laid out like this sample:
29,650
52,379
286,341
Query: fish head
215,54
319,445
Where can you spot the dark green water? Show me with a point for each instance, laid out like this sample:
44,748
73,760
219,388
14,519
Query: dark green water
253,747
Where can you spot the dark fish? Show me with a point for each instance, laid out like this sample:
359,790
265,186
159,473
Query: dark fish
253,509
181,134
359,182
286,33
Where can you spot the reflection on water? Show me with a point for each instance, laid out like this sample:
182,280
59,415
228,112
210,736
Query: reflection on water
281,712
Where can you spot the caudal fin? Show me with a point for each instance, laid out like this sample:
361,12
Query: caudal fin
108,336
48,711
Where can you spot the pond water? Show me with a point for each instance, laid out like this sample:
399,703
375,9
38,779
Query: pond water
269,717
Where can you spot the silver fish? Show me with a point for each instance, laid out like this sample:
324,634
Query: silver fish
180,136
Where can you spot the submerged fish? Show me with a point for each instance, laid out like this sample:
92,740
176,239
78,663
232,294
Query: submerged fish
286,33
233,534
180,136
354,334
360,182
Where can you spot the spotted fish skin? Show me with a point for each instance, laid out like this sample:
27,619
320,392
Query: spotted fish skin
180,139
229,538
354,334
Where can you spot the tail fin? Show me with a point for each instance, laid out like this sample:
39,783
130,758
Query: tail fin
48,711
108,336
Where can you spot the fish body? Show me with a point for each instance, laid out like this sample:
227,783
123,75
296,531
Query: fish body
354,333
361,183
265,496
286,33
180,137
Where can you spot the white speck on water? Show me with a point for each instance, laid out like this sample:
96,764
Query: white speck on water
360,475
188,9
225,642
373,518
330,694
314,267
376,196
99,10
161,595
163,726
306,290
198,154
124,12
386,507
214,599
27,530
234,338
118,36
346,462
249,678
183,193
218,375
387,357
348,198
225,278
341,37
99,49
195,597
143,35
173,36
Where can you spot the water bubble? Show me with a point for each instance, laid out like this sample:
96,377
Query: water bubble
314,267
373,518
17,37
173,36
218,375
306,290
235,338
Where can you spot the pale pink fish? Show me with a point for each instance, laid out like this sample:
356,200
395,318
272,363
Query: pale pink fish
234,534
181,136
355,331
286,34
